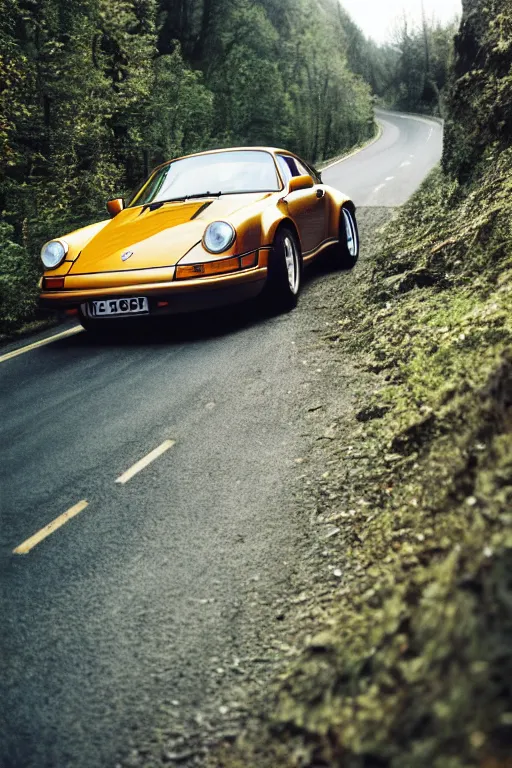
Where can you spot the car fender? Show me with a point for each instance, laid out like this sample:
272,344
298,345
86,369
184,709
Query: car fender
256,226
78,239
271,220
336,202
275,216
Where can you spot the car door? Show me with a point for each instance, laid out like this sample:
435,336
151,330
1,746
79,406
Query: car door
307,207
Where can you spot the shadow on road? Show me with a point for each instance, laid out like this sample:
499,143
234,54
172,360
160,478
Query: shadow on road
173,329
168,330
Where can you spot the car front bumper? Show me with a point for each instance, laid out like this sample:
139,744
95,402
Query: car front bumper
165,294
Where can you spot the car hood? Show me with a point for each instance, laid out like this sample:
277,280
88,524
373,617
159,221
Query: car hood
155,238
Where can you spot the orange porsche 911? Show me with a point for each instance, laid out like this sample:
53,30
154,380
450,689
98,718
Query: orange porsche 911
204,231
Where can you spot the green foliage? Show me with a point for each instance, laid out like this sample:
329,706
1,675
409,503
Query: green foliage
181,110
334,107
18,281
413,71
480,100
250,99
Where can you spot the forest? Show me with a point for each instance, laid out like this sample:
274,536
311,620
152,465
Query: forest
93,94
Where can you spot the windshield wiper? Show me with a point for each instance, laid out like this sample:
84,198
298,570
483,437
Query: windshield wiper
158,204
203,194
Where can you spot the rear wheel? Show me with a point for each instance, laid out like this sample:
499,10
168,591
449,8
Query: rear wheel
284,278
345,253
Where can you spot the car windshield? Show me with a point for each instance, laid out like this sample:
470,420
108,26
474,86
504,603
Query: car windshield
220,172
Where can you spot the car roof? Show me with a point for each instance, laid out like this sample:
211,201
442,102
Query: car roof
270,150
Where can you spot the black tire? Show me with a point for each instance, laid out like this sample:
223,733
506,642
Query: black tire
87,323
345,253
284,280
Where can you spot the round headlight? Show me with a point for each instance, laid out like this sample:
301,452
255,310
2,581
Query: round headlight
54,253
219,236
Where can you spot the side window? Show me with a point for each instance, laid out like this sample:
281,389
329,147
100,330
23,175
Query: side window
303,171
291,166
288,167
314,174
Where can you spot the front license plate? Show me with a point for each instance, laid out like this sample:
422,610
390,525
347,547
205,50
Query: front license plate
137,306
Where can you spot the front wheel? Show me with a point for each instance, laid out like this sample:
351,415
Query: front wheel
345,253
284,278
88,323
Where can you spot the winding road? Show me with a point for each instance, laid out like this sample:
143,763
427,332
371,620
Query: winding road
167,465
390,170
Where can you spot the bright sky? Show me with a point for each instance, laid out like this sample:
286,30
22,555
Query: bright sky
377,18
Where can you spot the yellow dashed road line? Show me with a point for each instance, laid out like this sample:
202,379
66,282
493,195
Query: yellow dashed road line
29,544
145,461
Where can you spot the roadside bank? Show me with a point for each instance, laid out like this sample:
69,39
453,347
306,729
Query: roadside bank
408,661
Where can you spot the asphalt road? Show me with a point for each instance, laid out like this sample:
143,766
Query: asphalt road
387,172
125,611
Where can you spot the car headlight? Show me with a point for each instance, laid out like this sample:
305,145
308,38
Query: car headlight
54,253
219,236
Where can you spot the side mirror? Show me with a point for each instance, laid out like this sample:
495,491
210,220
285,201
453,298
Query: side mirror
115,206
300,182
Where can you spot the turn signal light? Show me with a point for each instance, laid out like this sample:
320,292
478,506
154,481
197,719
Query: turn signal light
53,283
248,261
220,267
